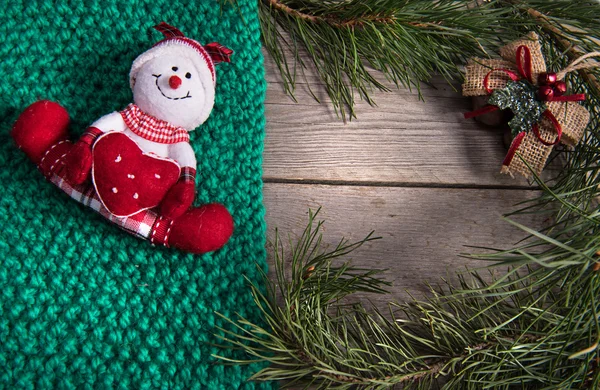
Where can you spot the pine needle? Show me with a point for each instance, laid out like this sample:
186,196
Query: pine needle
536,326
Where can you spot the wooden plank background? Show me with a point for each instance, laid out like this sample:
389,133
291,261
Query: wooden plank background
419,174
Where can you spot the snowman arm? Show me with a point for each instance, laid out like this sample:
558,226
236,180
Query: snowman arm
106,124
79,158
183,153
110,122
181,196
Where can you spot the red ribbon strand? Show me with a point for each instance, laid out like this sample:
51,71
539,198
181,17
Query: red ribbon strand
486,80
513,148
579,97
557,126
483,110
524,62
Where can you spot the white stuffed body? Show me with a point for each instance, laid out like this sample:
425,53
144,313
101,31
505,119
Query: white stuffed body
136,167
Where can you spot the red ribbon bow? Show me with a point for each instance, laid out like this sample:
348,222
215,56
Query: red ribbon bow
525,68
217,52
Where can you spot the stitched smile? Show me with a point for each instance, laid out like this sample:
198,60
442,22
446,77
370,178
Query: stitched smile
168,97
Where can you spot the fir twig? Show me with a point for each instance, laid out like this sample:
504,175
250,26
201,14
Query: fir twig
535,327
562,40
349,42
518,330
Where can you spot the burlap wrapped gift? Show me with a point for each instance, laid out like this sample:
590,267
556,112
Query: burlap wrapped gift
529,147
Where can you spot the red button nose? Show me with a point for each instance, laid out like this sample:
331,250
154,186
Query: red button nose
174,82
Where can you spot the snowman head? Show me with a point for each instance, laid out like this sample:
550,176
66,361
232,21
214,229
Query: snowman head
175,80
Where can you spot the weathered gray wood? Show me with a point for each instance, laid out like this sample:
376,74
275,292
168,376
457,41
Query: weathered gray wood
426,180
402,141
418,173
423,230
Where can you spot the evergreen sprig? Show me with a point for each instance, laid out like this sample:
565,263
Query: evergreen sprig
346,43
536,326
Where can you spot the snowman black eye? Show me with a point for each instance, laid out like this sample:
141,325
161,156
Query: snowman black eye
175,69
188,75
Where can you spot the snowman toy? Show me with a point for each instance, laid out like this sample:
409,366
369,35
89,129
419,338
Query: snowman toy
136,167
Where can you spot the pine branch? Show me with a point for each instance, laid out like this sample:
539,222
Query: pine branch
563,41
569,29
356,22
349,42
536,326
517,330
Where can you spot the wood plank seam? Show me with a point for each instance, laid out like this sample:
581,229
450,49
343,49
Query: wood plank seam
391,184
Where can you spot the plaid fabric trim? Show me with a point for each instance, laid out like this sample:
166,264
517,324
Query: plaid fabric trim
140,224
90,135
168,31
218,53
151,128
188,174
162,229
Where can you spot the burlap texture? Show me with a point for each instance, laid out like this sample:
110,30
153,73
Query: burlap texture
538,64
533,151
476,70
572,117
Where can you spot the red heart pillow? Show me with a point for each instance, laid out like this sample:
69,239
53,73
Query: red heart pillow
128,180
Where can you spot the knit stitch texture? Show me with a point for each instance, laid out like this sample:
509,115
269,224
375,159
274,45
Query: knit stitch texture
83,304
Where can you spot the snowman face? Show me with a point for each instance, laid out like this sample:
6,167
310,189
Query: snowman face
170,88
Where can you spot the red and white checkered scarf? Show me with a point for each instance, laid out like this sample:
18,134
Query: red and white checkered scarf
151,128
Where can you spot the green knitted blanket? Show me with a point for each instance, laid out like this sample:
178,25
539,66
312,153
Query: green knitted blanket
83,304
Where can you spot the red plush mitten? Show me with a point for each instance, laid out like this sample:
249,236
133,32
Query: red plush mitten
79,158
181,196
203,229
41,126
